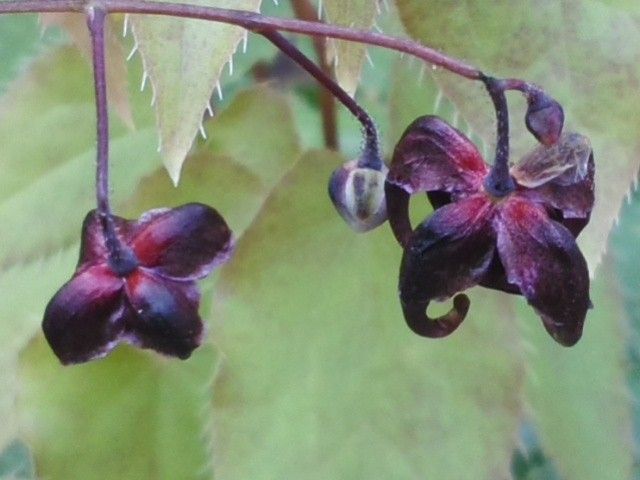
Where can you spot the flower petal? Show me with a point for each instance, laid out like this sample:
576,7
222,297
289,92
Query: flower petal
85,317
92,247
542,258
433,157
561,179
166,314
446,254
186,242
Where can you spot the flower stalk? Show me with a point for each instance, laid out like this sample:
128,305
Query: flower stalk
499,182
371,157
121,258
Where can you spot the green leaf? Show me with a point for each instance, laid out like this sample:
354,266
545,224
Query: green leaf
253,163
26,290
184,60
574,50
133,415
20,41
47,184
322,379
117,80
413,94
348,57
579,397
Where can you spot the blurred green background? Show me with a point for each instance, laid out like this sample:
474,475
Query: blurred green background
309,371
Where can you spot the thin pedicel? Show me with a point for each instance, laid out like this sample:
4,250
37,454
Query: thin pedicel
121,258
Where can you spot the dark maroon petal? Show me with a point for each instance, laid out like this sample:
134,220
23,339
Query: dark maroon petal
560,178
432,157
495,277
84,319
186,242
448,253
92,247
542,258
166,314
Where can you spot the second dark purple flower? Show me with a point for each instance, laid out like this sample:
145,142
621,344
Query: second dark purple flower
521,243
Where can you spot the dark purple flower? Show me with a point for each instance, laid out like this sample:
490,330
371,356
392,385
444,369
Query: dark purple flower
522,243
153,305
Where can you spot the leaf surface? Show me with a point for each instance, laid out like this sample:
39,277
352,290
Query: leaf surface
579,397
117,79
321,378
234,172
184,61
349,57
60,157
131,416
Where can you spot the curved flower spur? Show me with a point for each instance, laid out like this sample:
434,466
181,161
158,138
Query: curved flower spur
521,242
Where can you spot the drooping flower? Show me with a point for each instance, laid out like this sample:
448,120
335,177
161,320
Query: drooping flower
521,243
154,303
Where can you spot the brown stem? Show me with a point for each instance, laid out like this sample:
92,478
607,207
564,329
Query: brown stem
254,22
305,11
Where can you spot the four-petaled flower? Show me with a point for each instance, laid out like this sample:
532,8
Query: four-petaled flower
521,243
155,304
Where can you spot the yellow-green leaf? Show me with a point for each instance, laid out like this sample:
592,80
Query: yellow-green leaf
320,376
183,60
117,80
578,397
348,57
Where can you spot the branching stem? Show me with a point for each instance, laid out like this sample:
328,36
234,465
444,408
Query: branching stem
270,26
254,22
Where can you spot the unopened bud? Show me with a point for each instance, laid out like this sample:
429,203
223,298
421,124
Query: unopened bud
358,194
544,118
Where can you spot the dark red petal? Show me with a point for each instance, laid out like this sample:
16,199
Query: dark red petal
84,319
542,258
448,253
561,178
92,247
433,157
495,277
186,242
166,314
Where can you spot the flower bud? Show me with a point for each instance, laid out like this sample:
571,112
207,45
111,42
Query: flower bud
358,194
544,118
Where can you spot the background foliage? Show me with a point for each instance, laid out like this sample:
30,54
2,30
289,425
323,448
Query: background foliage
308,371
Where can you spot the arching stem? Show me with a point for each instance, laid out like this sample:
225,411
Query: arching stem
263,25
254,22
121,258
371,157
